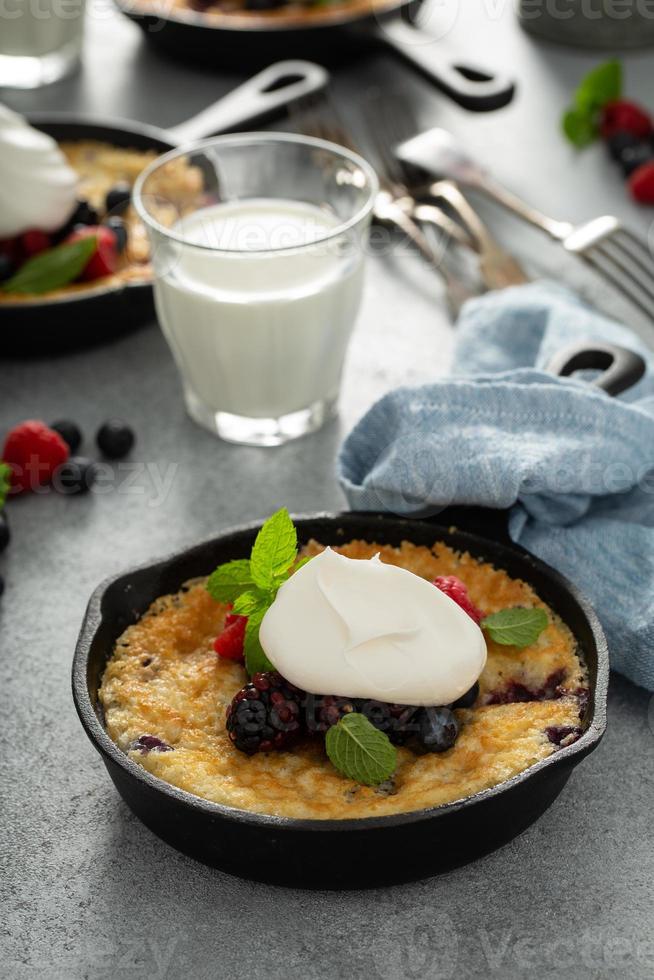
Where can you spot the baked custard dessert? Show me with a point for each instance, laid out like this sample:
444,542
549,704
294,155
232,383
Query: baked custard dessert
278,12
382,680
66,219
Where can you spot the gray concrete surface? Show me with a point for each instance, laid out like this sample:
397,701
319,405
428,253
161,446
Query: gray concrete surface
88,891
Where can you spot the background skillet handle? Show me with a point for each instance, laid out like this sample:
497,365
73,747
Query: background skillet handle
263,95
472,86
622,368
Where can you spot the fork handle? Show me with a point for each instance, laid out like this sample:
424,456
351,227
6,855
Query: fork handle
558,230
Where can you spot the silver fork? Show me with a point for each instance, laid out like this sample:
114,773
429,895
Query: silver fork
389,207
604,243
391,121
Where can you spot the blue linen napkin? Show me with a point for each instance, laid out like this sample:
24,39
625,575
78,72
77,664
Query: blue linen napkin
575,466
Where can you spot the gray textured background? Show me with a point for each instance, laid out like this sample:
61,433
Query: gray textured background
89,891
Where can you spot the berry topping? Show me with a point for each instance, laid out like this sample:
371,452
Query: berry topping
76,475
69,432
5,534
118,197
34,452
6,266
438,729
624,116
104,260
468,699
34,241
456,590
619,142
150,743
641,183
265,714
635,155
229,643
119,229
115,439
83,214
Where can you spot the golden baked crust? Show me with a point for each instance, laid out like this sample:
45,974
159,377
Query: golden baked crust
164,679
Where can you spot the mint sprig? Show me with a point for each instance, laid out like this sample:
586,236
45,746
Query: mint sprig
53,268
251,584
580,121
5,482
516,627
360,751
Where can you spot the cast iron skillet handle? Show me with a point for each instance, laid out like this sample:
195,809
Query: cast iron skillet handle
621,368
472,86
272,89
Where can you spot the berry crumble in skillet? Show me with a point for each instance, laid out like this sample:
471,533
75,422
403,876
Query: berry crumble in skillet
177,698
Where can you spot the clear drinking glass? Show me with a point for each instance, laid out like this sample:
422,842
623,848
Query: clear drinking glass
40,41
258,243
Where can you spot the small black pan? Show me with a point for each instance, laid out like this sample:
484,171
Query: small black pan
326,32
376,850
94,315
334,853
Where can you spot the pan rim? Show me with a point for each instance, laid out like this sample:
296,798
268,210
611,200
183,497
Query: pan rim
110,752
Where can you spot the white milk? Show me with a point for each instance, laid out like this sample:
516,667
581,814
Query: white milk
259,335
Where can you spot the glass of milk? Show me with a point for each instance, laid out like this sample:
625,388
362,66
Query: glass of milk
40,41
258,244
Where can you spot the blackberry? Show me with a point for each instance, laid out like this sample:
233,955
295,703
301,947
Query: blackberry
324,710
266,714
439,729
398,721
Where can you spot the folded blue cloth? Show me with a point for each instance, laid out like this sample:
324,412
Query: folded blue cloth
575,466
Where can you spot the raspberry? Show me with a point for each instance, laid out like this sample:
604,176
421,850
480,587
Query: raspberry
104,260
266,714
641,183
456,590
34,452
34,241
229,643
625,116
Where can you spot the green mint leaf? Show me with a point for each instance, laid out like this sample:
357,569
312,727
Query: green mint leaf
601,85
515,627
274,550
579,127
249,603
53,268
228,581
255,658
302,562
361,752
5,482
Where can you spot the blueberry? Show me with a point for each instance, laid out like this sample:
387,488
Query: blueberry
6,266
83,215
118,198
5,533
468,699
263,4
117,225
438,729
76,475
150,743
69,432
633,156
619,142
114,439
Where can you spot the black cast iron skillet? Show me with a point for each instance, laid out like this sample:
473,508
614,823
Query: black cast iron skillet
37,327
375,850
334,853
327,32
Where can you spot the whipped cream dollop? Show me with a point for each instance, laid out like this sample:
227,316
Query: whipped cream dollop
363,628
37,187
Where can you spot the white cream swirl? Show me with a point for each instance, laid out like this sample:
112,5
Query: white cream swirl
367,629
37,187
